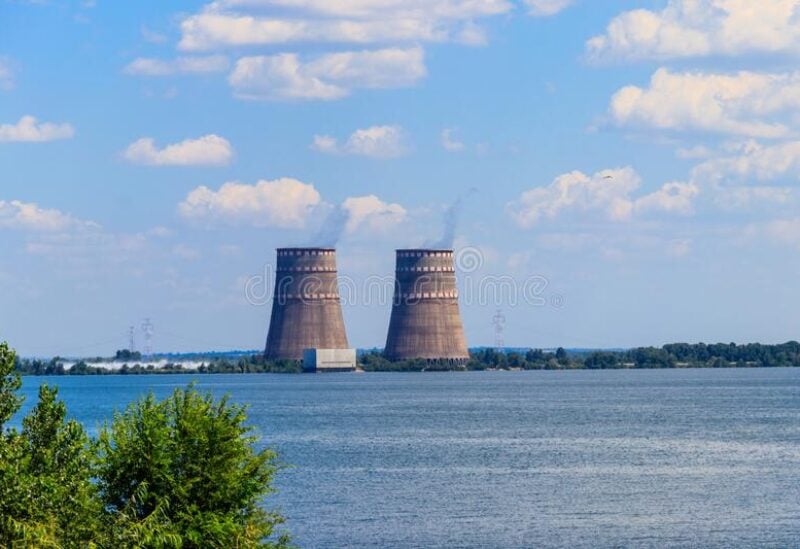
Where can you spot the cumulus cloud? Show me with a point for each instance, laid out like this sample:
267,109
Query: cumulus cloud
693,28
375,9
144,66
325,144
326,77
28,129
233,23
371,214
745,196
376,142
209,150
675,197
210,31
281,203
6,74
745,103
742,174
752,161
693,153
546,8
15,214
449,142
609,192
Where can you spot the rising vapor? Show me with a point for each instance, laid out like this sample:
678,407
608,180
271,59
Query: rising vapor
451,218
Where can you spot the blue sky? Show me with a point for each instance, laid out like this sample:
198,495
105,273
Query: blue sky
639,156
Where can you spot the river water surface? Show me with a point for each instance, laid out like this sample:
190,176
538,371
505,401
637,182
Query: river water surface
652,458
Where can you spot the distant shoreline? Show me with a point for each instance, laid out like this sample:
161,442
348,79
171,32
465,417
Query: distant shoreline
672,356
158,373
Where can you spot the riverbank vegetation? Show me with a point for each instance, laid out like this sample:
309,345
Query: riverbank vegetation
677,355
680,355
253,364
179,473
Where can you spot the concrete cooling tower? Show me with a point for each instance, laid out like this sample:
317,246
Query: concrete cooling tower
306,309
426,322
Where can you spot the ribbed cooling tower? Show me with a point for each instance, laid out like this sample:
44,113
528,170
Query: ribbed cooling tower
306,311
426,322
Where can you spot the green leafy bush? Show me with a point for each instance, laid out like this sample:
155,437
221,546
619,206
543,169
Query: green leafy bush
182,473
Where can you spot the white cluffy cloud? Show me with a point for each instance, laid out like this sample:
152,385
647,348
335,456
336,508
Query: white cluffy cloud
376,142
753,161
372,214
393,33
731,173
233,23
675,197
745,103
609,192
145,66
327,77
449,142
693,28
282,203
15,214
545,8
28,129
209,150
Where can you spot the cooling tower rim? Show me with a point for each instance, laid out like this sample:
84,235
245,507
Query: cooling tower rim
425,250
305,249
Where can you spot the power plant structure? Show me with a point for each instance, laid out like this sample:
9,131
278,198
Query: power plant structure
306,308
426,321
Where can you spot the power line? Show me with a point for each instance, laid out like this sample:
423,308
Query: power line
148,330
131,339
499,321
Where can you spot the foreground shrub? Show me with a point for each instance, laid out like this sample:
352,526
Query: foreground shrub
183,473
180,473
47,497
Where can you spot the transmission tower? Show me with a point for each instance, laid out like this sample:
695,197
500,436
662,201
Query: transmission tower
131,339
499,321
148,330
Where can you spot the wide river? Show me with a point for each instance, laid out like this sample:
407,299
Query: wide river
703,458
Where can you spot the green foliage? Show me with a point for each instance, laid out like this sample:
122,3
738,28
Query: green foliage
10,383
183,473
376,362
179,473
127,354
678,355
254,364
700,355
491,358
47,497
601,361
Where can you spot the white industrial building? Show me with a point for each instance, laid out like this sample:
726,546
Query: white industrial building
329,360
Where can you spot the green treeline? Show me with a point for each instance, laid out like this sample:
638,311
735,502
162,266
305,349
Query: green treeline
676,355
255,364
178,473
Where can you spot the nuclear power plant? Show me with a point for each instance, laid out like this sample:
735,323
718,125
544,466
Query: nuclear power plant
426,322
306,309
307,317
